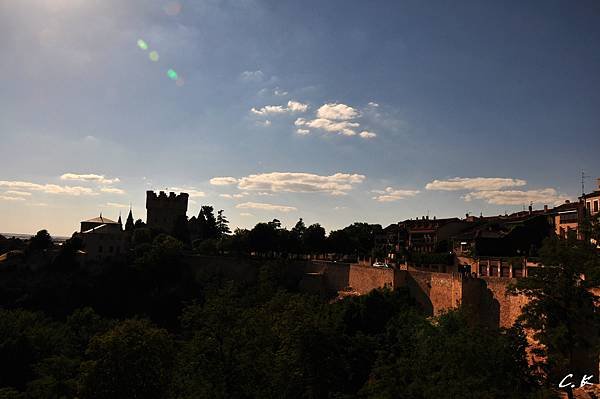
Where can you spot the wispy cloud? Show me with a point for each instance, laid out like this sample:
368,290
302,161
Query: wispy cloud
266,207
48,188
112,190
223,181
90,177
365,134
291,107
116,205
252,76
517,197
233,196
191,191
19,193
390,194
474,183
298,182
9,198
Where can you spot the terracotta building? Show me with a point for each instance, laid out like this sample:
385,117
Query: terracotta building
592,201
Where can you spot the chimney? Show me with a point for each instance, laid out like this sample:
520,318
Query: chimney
567,202
545,208
530,209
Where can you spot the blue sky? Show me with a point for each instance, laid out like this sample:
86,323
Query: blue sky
333,111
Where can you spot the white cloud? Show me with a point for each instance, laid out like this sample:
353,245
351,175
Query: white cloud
474,183
223,181
48,188
8,198
390,194
112,190
344,127
266,207
246,214
340,112
90,177
233,196
191,191
336,184
373,104
517,197
252,76
292,106
116,205
18,193
367,135
334,118
279,92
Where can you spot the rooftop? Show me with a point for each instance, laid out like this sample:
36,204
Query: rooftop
100,219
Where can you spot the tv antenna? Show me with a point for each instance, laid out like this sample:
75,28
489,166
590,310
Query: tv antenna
583,176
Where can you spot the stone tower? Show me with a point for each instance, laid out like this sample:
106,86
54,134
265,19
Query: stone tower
162,211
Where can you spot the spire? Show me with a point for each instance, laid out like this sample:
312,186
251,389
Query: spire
129,223
119,221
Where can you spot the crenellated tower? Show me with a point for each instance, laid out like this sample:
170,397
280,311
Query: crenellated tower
162,211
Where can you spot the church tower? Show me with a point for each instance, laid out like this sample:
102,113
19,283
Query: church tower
129,222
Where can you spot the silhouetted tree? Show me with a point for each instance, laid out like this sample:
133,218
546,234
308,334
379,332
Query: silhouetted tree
207,224
132,360
296,244
561,310
181,231
40,241
139,224
314,239
222,225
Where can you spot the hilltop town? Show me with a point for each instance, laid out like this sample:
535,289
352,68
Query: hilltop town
485,270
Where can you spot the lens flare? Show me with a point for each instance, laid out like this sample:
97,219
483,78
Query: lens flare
142,44
172,74
173,8
153,56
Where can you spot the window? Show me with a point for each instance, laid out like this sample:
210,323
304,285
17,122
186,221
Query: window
568,217
588,205
596,206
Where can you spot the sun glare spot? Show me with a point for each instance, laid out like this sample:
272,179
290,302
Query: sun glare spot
153,56
142,44
173,8
172,74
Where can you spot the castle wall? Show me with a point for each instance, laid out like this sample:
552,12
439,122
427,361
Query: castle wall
509,305
435,292
336,275
363,279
